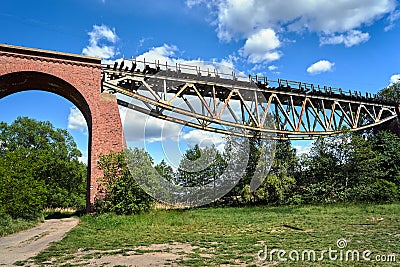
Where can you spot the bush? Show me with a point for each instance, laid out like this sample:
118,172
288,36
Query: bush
123,195
22,197
380,190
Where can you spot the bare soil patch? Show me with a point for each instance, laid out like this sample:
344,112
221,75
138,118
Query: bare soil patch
153,255
23,245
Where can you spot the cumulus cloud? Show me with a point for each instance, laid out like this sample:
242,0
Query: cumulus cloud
76,121
139,127
239,19
300,150
83,160
349,39
168,55
320,67
272,68
395,79
102,40
203,139
261,47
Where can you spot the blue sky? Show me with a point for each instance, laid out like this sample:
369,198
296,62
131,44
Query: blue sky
347,44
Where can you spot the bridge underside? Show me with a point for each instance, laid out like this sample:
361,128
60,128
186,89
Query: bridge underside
244,106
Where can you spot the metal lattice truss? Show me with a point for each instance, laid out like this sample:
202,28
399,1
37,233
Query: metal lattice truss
247,107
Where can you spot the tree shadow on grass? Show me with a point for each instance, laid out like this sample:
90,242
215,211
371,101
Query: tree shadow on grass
56,214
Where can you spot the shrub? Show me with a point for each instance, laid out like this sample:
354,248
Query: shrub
22,197
379,190
123,195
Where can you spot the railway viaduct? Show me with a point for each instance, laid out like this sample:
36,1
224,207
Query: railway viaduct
188,95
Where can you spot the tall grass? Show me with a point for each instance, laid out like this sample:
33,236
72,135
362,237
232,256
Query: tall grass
8,225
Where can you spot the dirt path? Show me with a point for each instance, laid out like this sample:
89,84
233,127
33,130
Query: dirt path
23,245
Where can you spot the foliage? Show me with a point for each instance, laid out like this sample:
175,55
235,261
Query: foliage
275,188
200,166
351,168
280,180
387,147
241,193
21,195
277,183
121,171
348,167
165,171
391,92
39,168
376,191
9,225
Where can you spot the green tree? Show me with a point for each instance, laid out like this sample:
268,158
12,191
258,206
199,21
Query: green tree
351,167
391,92
124,174
280,180
325,169
165,171
241,193
45,158
20,194
387,146
200,166
269,174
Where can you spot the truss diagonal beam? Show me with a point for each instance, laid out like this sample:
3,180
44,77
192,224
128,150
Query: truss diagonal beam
289,110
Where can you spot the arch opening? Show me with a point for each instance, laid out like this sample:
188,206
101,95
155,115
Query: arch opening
23,81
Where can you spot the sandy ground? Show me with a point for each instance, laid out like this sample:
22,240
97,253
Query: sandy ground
23,245
153,255
19,247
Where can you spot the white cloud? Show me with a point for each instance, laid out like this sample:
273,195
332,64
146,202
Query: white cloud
164,53
96,47
349,39
83,160
272,68
76,121
320,67
300,150
141,127
261,47
167,54
395,79
394,16
243,18
192,3
203,138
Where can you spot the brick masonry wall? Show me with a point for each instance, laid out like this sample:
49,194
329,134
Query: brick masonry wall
77,79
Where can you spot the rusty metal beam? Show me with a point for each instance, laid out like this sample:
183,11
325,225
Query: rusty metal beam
300,110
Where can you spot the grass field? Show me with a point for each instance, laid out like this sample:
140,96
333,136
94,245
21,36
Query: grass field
235,236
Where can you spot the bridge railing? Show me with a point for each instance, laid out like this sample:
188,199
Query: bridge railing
210,70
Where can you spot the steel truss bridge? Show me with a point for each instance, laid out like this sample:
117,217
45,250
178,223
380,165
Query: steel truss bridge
208,99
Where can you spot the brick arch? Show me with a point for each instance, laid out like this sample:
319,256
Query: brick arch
30,80
76,78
